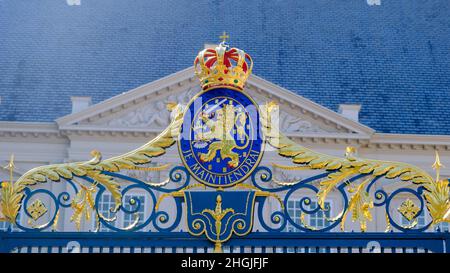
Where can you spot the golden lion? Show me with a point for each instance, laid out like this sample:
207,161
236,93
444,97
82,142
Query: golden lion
221,130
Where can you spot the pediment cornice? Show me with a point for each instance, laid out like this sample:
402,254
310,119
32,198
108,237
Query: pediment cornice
142,109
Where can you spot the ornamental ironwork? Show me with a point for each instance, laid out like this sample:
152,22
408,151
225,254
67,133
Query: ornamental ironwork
220,188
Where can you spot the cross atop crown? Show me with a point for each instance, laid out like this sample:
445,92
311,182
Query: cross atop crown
223,66
224,37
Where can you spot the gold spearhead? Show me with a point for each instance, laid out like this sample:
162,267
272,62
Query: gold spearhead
10,166
437,165
350,152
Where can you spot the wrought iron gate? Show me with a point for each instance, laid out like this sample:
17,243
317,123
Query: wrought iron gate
221,194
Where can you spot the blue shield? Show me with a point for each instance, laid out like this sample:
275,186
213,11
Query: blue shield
219,214
221,139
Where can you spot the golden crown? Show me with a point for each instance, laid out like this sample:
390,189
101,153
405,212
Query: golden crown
223,67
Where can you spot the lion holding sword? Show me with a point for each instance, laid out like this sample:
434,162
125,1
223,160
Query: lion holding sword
218,130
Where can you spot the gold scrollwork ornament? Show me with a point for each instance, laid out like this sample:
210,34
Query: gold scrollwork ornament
12,192
436,194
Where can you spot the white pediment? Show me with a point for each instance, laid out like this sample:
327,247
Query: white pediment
144,109
149,114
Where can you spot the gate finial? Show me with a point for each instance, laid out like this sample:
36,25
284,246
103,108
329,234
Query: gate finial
10,167
224,37
437,165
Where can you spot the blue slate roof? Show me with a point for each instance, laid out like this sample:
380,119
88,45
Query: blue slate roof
393,59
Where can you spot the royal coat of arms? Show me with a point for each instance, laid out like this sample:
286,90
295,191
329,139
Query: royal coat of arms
221,139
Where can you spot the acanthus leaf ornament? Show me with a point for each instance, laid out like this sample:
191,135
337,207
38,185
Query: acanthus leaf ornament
83,204
437,195
360,205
